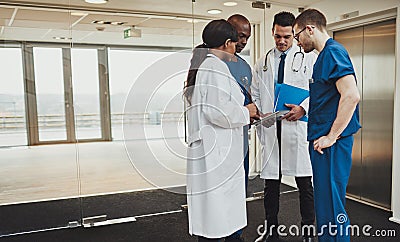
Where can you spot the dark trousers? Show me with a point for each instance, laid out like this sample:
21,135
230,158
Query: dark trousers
306,196
272,192
246,170
232,238
203,239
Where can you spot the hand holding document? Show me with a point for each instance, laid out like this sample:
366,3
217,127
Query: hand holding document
253,111
268,119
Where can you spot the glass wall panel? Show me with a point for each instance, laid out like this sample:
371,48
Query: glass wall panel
39,185
131,92
12,104
126,67
146,73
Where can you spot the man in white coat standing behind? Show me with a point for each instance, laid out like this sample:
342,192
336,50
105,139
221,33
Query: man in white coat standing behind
284,145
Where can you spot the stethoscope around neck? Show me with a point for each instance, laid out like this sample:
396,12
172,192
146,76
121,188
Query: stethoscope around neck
297,61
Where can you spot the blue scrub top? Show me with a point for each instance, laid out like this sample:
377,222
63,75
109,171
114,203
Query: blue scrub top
332,63
241,71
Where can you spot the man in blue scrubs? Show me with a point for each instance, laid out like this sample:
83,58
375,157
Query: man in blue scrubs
241,71
332,121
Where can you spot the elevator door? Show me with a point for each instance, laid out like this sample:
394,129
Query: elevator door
372,49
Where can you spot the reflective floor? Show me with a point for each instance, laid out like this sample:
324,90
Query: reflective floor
50,172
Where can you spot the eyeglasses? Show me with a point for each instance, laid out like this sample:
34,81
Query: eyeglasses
296,36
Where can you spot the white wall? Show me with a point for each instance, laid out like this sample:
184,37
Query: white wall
267,41
333,9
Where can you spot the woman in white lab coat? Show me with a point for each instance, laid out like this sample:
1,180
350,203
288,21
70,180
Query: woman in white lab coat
216,116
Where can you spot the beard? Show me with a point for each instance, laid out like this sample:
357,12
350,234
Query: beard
307,46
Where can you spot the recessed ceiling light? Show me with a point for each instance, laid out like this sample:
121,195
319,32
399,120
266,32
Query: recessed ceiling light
98,22
108,22
214,11
96,1
62,38
117,23
230,4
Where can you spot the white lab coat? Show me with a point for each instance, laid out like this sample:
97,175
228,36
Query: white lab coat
215,180
295,158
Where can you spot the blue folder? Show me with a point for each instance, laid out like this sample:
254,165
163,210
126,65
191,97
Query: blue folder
289,94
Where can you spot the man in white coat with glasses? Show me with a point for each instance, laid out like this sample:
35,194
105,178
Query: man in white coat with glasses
284,144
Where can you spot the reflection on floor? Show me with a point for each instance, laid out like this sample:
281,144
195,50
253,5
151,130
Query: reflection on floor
69,170
160,218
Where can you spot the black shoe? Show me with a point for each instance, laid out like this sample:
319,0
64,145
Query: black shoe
237,239
270,233
271,238
308,239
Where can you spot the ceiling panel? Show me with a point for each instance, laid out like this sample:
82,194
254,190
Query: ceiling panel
168,6
40,24
165,23
179,7
6,13
98,28
128,20
44,15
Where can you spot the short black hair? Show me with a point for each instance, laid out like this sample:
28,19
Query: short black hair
283,19
217,32
236,19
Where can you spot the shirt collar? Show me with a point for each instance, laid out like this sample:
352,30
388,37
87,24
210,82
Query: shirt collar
277,53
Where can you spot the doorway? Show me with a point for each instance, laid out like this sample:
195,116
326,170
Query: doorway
372,50
67,94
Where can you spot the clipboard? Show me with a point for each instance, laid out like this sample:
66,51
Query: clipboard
271,117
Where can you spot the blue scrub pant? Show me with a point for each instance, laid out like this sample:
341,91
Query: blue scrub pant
331,172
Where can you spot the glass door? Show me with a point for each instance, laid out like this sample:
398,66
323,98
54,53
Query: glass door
52,103
69,107
85,83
